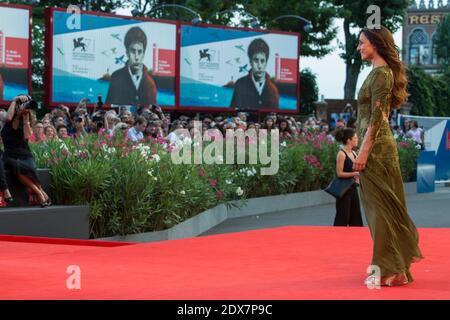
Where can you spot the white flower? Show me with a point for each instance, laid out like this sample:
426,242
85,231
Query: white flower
182,192
228,182
251,172
150,173
155,178
418,146
239,191
155,158
283,144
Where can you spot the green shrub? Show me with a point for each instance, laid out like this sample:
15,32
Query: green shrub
137,188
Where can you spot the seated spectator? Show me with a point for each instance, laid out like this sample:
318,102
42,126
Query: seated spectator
153,130
285,130
38,133
120,129
62,131
127,117
50,132
176,137
59,121
111,120
79,129
269,123
136,133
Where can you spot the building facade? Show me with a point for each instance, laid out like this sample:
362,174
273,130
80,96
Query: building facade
419,31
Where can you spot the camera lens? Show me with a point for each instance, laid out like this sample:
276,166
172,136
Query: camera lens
30,105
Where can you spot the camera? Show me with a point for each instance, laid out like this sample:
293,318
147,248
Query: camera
30,104
154,108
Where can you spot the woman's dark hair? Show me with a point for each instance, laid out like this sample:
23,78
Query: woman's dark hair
288,127
383,41
140,120
343,135
274,125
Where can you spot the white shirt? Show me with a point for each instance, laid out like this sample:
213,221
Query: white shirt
415,134
135,135
259,85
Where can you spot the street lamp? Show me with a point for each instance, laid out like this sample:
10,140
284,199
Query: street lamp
195,21
253,22
307,25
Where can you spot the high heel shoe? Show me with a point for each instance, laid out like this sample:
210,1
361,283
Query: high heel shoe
43,204
399,279
46,203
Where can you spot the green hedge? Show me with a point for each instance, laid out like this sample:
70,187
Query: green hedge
137,188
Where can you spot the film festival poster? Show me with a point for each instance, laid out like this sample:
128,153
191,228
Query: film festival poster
14,52
238,69
125,61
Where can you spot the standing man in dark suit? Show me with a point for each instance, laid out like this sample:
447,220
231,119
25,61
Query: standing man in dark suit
132,84
256,90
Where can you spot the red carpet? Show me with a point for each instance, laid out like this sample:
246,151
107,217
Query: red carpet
281,263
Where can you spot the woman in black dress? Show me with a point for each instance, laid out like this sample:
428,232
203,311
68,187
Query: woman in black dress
348,212
17,155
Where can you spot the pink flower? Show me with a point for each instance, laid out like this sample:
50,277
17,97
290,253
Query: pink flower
201,173
403,144
219,194
213,183
313,161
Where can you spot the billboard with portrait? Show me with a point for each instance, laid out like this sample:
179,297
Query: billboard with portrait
15,67
238,69
127,61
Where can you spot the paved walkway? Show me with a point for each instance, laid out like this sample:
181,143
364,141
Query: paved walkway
428,210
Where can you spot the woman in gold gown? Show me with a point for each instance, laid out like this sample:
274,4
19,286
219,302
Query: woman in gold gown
394,235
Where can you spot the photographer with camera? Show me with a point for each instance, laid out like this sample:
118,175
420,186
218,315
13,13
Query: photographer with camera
17,154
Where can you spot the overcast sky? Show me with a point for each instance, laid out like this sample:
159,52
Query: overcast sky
330,70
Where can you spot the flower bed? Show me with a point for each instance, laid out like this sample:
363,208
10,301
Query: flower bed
134,188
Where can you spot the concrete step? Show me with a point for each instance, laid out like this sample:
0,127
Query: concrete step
55,221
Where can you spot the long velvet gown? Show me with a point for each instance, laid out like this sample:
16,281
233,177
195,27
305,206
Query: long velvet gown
395,237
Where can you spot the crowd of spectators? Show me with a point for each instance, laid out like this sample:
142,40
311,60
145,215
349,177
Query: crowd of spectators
151,123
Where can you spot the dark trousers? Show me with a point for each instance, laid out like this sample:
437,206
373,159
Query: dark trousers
348,211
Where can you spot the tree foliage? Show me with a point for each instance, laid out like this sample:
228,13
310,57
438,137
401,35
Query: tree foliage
430,95
314,43
355,15
443,41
